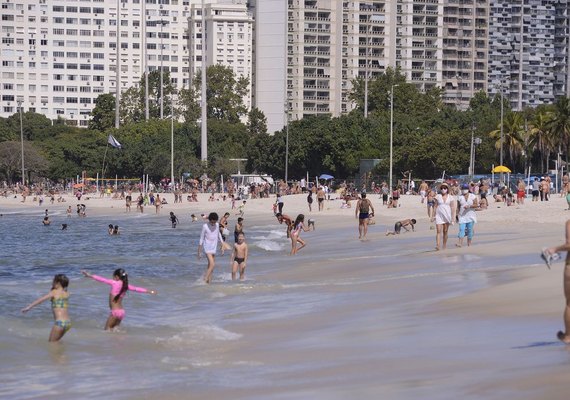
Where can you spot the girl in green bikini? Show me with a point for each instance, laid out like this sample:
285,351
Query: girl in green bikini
59,303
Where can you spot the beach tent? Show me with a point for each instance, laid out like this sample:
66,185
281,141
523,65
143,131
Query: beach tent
326,177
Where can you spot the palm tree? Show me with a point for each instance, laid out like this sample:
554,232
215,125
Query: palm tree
513,136
559,124
540,138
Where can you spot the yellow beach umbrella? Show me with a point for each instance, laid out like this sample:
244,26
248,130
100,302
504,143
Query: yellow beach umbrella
501,168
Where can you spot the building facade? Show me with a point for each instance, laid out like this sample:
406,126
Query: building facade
528,51
58,56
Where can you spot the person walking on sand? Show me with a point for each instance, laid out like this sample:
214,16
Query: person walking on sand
548,255
407,224
321,198
119,286
362,212
423,191
239,257
298,227
59,303
310,200
209,239
467,218
444,216
521,192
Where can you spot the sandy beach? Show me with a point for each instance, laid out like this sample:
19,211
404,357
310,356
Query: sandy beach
384,318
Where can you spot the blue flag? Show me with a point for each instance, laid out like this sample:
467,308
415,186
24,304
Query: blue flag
113,142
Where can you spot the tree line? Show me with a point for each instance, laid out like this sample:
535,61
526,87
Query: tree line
429,137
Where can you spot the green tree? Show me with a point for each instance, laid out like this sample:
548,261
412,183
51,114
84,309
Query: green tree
540,137
559,124
133,105
225,93
11,161
513,136
257,123
103,114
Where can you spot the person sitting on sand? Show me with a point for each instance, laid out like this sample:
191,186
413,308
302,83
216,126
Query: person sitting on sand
407,224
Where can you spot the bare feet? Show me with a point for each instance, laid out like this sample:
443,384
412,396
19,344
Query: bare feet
436,248
457,245
563,337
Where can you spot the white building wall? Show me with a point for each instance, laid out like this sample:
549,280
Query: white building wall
270,75
58,56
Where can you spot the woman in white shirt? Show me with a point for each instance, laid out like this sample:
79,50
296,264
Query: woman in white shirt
467,218
209,239
444,215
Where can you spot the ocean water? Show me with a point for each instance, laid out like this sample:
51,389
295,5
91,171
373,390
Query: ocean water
191,341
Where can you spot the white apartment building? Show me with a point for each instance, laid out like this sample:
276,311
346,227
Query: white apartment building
528,51
229,35
59,55
436,43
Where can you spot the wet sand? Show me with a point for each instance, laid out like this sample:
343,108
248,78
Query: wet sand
391,317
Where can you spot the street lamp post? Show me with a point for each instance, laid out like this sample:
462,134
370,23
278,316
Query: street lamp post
22,140
172,142
287,141
162,23
391,132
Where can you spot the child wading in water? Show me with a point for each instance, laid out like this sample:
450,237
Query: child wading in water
173,219
239,257
209,239
298,226
59,303
119,286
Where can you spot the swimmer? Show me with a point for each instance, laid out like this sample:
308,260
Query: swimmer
119,286
116,230
239,257
59,303
110,229
194,217
311,223
46,221
407,224
63,227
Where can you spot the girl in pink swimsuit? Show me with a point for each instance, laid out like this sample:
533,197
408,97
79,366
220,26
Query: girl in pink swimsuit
119,286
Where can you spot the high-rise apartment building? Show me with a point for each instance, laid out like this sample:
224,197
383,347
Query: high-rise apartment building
528,51
58,56
229,34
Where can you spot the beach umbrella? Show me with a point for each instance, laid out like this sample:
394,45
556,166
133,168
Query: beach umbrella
78,185
501,168
326,177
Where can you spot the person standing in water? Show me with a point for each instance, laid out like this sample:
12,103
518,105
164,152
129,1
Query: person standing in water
173,219
239,257
362,212
119,286
59,304
209,239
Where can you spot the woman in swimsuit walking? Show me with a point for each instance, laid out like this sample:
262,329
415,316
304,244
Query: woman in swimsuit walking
119,286
362,212
59,304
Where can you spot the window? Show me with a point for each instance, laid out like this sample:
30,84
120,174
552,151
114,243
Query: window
85,100
58,66
58,88
58,54
85,66
58,9
59,31
7,97
71,100
99,67
85,89
7,86
43,42
72,89
7,17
